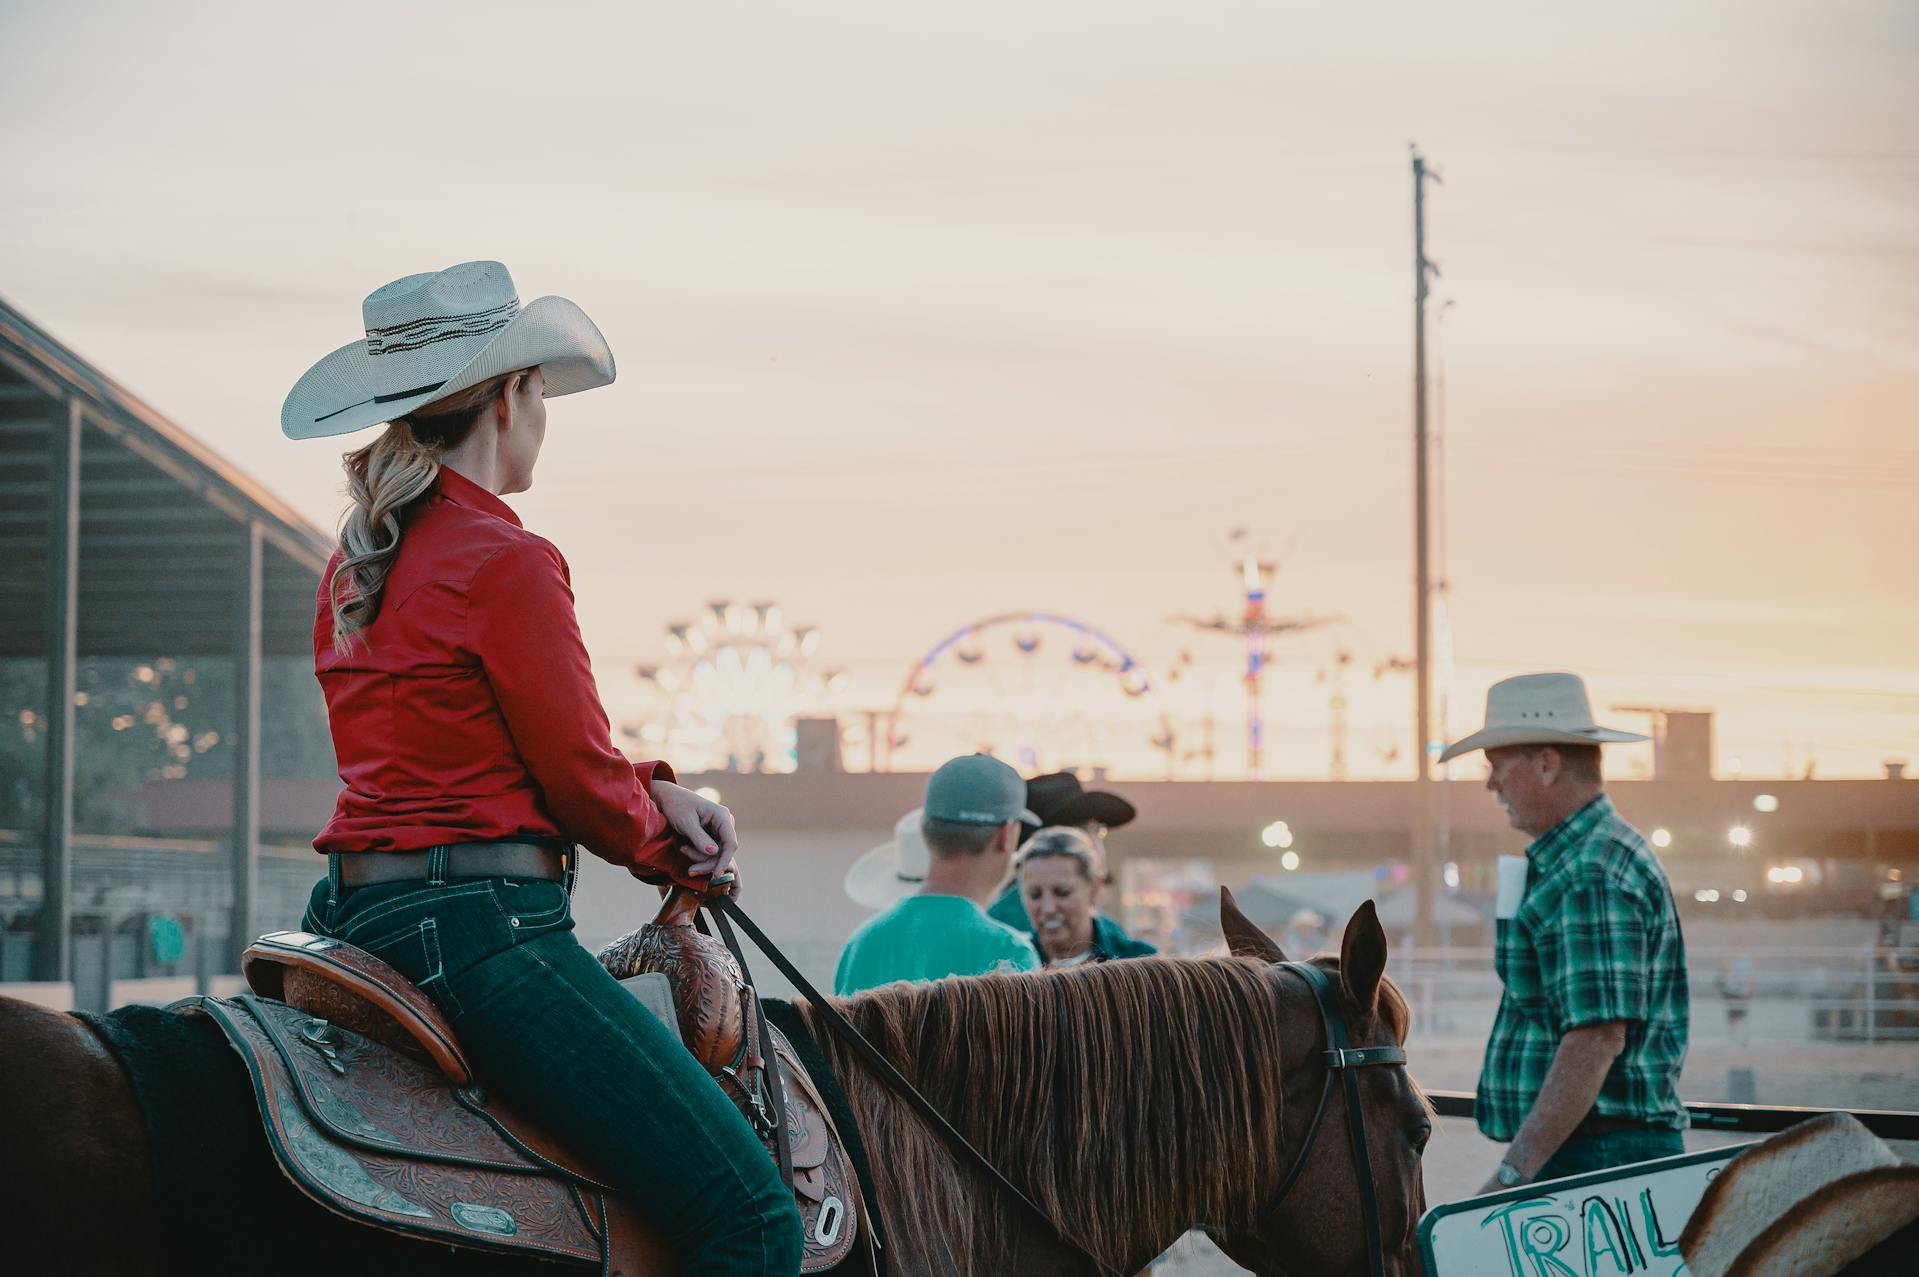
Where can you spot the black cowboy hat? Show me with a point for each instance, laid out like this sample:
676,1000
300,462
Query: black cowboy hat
1059,799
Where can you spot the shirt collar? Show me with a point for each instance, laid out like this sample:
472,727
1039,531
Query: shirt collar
1568,834
462,491
941,900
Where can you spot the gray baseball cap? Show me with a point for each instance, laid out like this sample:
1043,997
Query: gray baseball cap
977,789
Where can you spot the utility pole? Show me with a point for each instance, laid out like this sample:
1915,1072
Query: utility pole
1423,868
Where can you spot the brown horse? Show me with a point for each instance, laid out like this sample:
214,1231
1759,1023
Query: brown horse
1133,1101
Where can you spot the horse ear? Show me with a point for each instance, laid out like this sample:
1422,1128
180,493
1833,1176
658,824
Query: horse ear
1243,938
1362,956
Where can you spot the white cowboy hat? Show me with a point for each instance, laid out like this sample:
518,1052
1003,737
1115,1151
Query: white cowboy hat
428,336
893,870
1806,1203
1538,709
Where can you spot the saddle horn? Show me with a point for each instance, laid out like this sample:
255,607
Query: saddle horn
680,908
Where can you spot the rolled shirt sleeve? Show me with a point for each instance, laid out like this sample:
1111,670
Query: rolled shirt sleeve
1594,962
521,624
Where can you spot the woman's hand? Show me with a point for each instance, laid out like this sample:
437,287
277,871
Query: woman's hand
702,824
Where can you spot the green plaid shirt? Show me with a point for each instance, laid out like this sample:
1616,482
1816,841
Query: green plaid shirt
1596,939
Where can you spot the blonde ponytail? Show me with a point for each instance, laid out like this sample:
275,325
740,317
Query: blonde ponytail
383,479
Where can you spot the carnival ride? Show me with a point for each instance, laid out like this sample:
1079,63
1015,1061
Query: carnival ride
1256,629
1042,690
726,697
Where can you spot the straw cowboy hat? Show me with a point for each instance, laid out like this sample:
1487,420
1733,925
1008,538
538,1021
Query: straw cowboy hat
429,336
893,870
1806,1203
1538,709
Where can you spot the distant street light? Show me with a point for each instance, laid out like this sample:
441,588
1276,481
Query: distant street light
1662,838
1289,861
1739,836
1765,802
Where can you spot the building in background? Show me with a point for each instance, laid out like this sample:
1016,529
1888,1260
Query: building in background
156,613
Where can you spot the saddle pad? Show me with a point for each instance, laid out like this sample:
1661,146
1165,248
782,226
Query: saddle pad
380,1136
654,991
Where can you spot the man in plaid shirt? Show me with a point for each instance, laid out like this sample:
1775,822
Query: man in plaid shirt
1582,1068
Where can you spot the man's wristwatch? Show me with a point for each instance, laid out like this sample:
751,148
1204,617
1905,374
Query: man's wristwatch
1508,1175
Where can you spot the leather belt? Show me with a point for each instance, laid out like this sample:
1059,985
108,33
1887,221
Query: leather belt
463,860
1593,1126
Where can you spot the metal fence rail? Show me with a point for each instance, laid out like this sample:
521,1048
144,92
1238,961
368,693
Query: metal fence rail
1890,1124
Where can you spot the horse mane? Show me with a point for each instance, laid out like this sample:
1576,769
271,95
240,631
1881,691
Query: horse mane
1118,1096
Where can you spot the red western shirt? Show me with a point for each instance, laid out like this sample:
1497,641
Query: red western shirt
467,711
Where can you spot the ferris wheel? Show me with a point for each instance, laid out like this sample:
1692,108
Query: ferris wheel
733,682
1040,690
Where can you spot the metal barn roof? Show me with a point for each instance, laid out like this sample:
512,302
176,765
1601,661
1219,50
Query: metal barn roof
164,522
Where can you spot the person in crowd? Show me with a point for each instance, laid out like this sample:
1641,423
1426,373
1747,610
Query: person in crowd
475,754
1058,799
1306,933
1582,1069
1059,882
933,881
1735,990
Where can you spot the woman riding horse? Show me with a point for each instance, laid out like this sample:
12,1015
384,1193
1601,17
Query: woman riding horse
475,754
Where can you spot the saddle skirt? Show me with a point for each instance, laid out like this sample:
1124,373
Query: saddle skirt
384,1138
371,1110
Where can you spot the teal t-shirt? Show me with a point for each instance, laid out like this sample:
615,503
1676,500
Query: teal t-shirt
929,938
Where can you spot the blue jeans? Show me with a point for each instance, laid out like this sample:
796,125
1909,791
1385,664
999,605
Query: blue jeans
552,1033
1581,1155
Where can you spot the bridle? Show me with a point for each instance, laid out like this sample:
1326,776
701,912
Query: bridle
1342,1059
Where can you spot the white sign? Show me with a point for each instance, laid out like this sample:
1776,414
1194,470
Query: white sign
1511,880
1623,1222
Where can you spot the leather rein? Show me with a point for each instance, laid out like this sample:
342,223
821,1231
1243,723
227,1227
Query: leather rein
1342,1061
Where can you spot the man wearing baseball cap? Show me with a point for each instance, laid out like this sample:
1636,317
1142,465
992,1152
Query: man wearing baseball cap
937,927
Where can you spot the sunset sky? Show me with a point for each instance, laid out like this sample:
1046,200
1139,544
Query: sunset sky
925,313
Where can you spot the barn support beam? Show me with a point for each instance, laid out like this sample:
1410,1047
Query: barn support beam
53,934
248,630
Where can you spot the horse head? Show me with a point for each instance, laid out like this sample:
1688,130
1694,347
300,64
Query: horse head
1311,1220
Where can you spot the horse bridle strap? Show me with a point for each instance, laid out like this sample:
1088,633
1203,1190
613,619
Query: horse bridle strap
871,1056
1342,1058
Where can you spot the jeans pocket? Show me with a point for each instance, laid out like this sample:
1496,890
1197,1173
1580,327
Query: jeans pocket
414,951
532,907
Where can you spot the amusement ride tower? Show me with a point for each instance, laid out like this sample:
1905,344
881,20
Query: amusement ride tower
1255,629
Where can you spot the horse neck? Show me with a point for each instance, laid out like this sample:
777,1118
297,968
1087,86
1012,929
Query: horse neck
1126,1121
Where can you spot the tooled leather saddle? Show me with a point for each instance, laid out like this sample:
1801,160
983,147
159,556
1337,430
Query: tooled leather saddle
721,1023
372,1109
